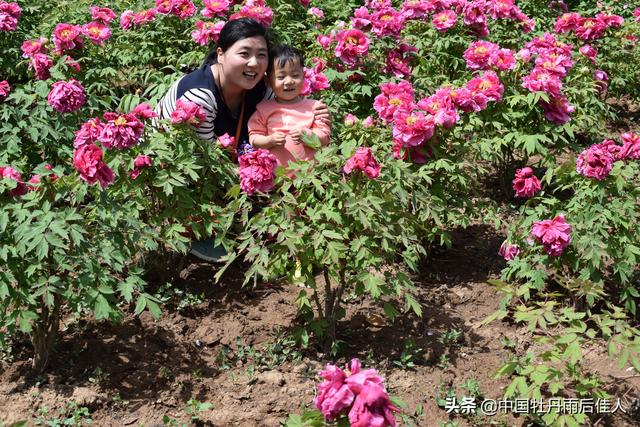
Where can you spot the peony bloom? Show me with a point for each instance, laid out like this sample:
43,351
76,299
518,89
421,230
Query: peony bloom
589,51
207,32
398,62
557,110
255,9
126,19
88,132
216,8
386,22
487,84
630,146
102,14
165,7
444,20
9,14
71,63
567,22
554,234
636,14
601,79
88,162
144,111
325,41
41,65
226,141
318,13
67,37
120,131
184,9
417,9
4,89
413,128
334,395
351,44
140,162
590,29
7,172
368,122
314,79
97,32
394,97
66,97
525,183
144,17
554,64
31,47
441,106
257,171
350,119
372,407
540,80
595,162
361,18
188,112
508,252
418,154
502,60
478,54
363,160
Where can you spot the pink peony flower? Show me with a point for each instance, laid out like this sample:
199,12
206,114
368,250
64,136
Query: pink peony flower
143,17
257,171
41,65
525,183
334,396
399,60
120,131
386,22
318,13
126,19
394,97
553,234
557,110
140,162
165,7
102,14
502,60
9,14
314,79
466,100
350,119
66,97
71,63
67,37
31,47
363,160
7,172
601,79
184,9
207,32
589,52
444,20
372,407
351,44
417,9
88,132
556,65
630,146
441,106
412,128
417,154
590,29
567,22
636,14
500,9
97,32
144,111
478,54
226,141
595,162
361,18
4,89
325,41
188,112
508,252
255,9
540,80
216,8
487,84
87,160
368,122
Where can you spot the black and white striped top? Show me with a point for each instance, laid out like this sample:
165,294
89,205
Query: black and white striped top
199,87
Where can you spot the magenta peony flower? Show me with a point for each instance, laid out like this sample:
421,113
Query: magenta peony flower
589,51
590,29
502,60
601,79
630,146
314,79
324,41
540,80
412,128
508,252
188,112
165,7
334,396
553,234
636,14
398,62
4,89
144,111
351,44
417,9
257,170
393,97
88,132
207,32
31,47
216,8
595,162
226,141
184,9
557,110
444,20
567,22
88,162
255,9
102,14
487,84
9,15
364,161
318,13
418,154
525,183
361,18
97,32
372,407
67,37
467,100
120,131
41,65
386,22
143,17
66,97
140,162
126,19
441,106
7,172
478,54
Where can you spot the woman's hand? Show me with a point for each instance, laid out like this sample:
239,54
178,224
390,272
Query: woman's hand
321,112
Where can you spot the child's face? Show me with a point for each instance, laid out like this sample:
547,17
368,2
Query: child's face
286,80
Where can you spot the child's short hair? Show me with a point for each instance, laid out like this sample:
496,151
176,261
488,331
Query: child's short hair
284,53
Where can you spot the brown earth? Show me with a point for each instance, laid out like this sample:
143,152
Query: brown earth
141,370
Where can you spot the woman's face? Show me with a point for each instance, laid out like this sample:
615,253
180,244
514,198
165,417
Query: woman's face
245,62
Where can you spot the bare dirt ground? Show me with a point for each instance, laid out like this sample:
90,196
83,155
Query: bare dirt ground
230,348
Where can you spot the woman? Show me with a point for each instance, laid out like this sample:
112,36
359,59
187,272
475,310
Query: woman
228,87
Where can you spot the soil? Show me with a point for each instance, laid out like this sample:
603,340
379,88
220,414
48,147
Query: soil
230,349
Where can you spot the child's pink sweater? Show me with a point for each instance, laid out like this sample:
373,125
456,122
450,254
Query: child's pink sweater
271,117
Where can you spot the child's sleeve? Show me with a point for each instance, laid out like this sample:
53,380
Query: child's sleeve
257,125
322,131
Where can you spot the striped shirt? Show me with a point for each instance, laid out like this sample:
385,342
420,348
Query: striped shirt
199,87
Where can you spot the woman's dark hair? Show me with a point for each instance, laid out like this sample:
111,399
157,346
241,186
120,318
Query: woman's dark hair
282,54
236,30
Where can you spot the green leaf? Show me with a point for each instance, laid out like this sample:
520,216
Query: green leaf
141,303
101,308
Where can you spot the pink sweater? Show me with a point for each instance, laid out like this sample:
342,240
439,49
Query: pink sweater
271,117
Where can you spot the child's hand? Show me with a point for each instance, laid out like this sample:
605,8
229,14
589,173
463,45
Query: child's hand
278,139
296,135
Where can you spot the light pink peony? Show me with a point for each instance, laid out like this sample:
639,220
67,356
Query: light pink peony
364,161
226,141
103,14
207,32
318,13
66,97
351,45
144,111
257,171
444,20
7,172
508,252
372,408
630,146
96,32
216,8
554,234
120,131
255,9
595,162
88,132
87,160
525,183
140,162
188,112
4,89
478,54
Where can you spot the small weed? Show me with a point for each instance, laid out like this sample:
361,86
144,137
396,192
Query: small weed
473,387
98,376
196,374
450,338
195,407
443,363
71,415
410,354
165,373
